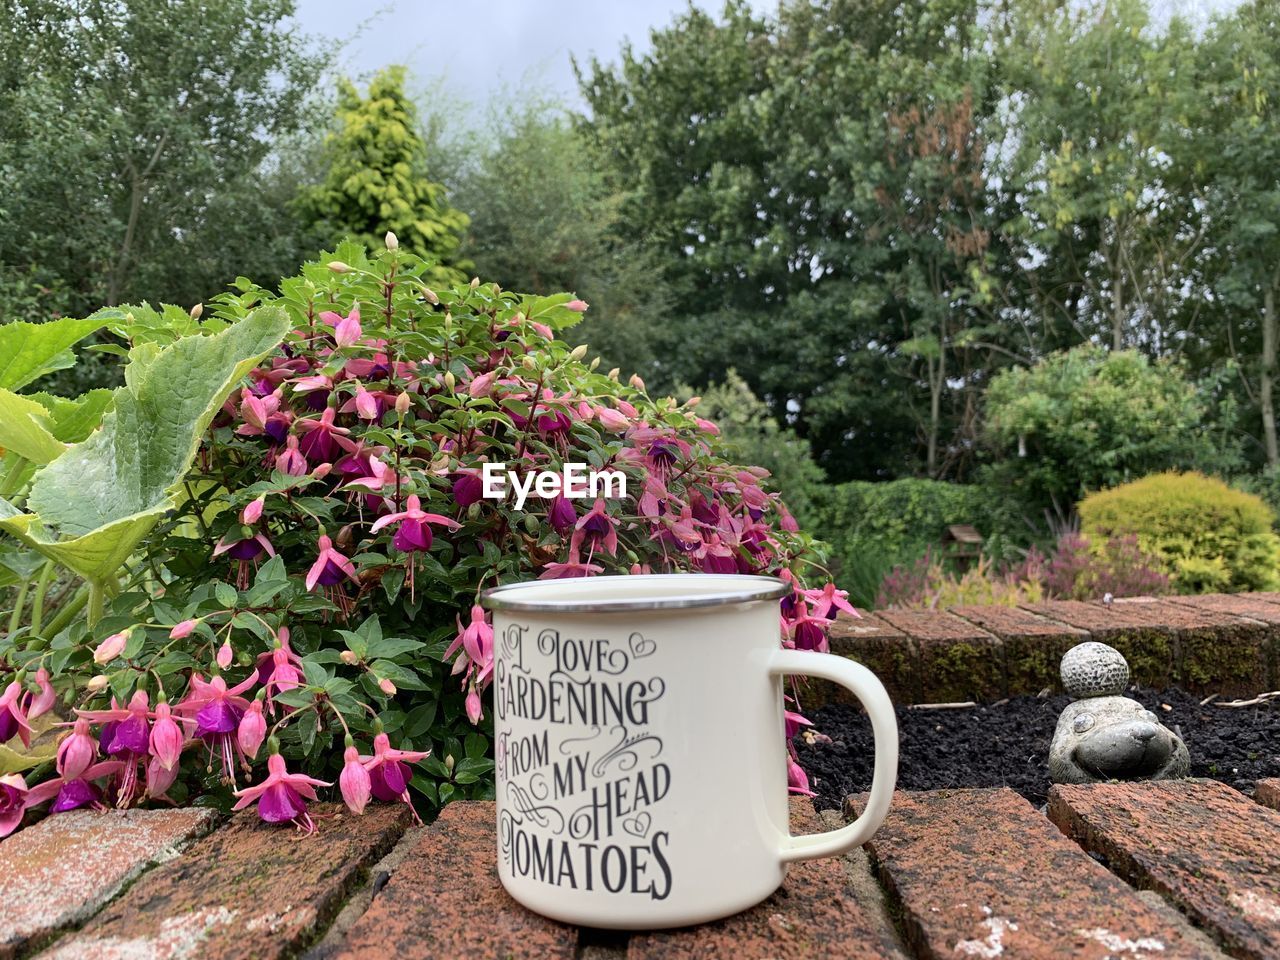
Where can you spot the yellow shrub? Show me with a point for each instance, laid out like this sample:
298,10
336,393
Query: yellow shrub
1208,536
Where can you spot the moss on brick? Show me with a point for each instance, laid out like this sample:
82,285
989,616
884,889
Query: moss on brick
953,670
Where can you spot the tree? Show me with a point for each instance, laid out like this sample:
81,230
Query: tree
1237,146
377,182
1087,419
1107,222
120,147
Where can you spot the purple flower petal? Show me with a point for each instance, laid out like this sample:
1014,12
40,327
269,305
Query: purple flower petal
280,803
129,736
388,780
412,536
75,794
217,717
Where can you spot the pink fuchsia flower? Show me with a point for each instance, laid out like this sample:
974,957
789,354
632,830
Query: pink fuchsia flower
561,515
808,632
476,642
217,711
252,730
111,647
380,477
291,461
167,737
413,533
13,718
475,711
225,655
159,778
330,566
574,567
482,385
320,439
256,412
245,552
793,722
72,793
42,702
828,601
354,781
612,419
77,751
126,736
346,330
282,797
388,770
279,669
797,779
597,529
366,404
467,488
13,802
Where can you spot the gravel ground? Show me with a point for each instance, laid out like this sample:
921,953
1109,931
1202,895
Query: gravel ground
1007,744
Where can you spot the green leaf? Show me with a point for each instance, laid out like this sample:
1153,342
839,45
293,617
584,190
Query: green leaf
94,504
73,420
25,429
30,350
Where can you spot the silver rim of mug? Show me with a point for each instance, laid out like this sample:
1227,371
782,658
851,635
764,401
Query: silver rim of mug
523,597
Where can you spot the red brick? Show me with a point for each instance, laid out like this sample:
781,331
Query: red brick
1267,793
1250,606
1216,651
445,900
250,890
882,648
1150,648
1208,849
811,916
1033,645
64,868
981,873
958,661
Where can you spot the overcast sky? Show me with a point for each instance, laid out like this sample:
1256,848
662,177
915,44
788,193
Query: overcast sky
479,47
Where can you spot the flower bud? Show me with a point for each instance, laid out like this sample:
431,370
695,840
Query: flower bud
387,687
613,374
225,654
402,404
529,362
97,683
578,352
430,296
595,362
391,241
196,311
337,266
577,306
474,710
636,382
349,657
250,514
111,647
693,402
475,282
252,729
183,629
354,781
450,381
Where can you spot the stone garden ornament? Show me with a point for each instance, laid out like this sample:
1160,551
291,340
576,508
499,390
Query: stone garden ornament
1105,735
641,762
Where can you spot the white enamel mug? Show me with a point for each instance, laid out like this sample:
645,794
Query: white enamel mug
641,759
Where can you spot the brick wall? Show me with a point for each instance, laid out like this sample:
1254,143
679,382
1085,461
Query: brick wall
1217,643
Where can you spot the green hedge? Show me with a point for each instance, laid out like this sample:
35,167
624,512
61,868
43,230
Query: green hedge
871,527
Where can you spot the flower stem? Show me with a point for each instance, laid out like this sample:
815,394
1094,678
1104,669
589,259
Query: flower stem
97,596
37,602
68,612
15,618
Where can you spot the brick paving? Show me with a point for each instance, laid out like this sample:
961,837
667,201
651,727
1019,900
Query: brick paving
1203,846
65,868
1187,869
981,873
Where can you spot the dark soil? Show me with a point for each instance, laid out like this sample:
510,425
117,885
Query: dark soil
1007,744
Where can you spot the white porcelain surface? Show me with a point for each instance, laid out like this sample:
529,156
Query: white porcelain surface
641,764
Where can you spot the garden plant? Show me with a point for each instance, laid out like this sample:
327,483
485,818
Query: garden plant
252,571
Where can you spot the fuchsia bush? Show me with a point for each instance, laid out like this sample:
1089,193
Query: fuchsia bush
312,600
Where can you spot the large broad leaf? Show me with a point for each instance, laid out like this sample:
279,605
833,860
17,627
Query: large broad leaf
30,350
92,506
73,419
26,430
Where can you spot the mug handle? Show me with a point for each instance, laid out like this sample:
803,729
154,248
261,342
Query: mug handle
884,728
